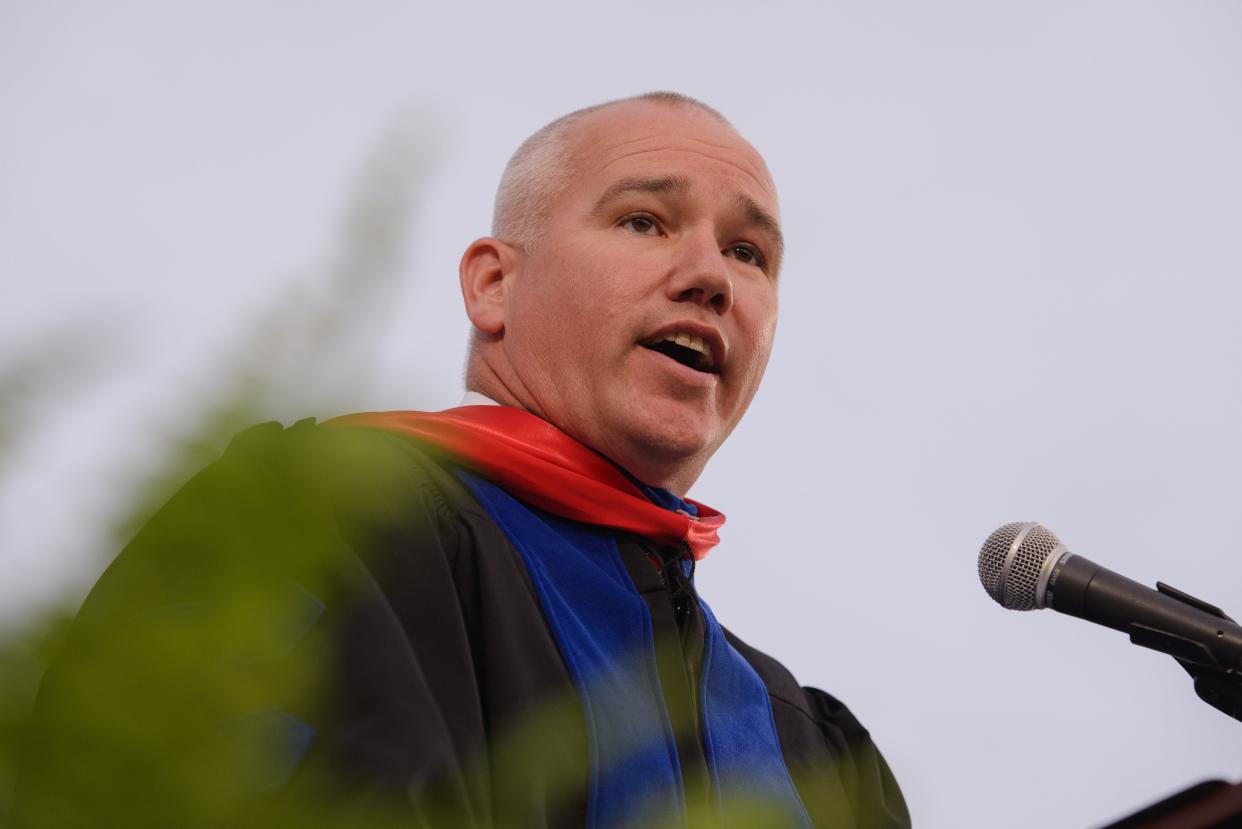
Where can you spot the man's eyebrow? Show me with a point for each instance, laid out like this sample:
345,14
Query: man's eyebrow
641,184
762,219
755,214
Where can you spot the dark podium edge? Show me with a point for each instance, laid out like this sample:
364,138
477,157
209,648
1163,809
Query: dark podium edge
1212,804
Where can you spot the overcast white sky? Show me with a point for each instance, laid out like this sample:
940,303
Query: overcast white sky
1012,292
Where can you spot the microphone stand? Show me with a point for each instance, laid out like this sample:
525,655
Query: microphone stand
1211,804
1220,686
1218,689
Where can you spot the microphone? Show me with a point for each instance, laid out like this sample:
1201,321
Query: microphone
1024,566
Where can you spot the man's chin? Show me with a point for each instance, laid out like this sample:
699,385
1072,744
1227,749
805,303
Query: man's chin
663,451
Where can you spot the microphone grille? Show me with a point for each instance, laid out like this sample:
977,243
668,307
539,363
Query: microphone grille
1011,560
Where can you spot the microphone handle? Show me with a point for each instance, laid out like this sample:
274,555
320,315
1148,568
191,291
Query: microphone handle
1080,587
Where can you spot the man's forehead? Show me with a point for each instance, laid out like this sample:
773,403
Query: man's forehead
641,137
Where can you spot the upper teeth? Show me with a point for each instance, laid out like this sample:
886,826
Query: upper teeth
689,341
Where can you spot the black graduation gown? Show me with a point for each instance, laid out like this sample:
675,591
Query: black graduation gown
376,626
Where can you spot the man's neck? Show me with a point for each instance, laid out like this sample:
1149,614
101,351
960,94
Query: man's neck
661,496
473,397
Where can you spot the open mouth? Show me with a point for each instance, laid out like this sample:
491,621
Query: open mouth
692,352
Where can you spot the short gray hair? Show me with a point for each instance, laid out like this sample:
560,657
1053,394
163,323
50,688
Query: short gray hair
543,166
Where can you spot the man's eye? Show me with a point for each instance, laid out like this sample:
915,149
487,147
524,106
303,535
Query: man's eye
642,225
745,254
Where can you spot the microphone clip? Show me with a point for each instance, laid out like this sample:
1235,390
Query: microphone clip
1217,685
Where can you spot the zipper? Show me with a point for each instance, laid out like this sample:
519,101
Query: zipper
669,563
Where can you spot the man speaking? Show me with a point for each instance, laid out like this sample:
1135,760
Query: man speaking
500,597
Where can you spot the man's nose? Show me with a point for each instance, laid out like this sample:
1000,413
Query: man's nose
702,275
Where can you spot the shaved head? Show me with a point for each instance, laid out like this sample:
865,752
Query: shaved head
545,163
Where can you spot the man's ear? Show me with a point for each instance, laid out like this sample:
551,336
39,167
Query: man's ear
487,268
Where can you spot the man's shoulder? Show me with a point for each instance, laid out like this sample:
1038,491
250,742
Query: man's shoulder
780,682
333,448
330,511
818,733
278,499
358,470
815,704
